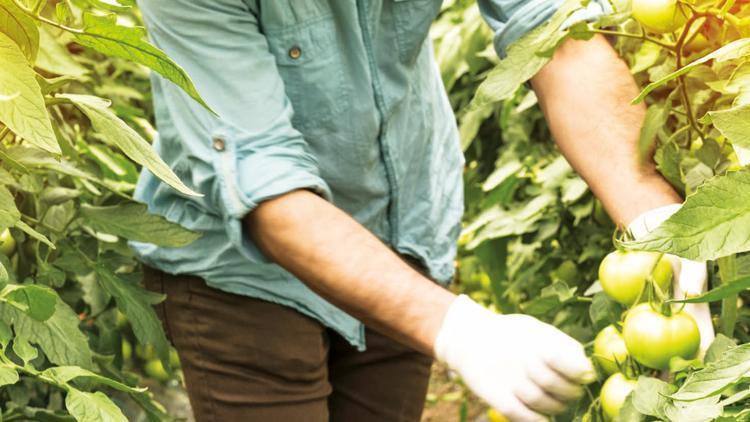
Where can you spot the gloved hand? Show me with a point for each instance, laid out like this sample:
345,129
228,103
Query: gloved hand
690,277
519,365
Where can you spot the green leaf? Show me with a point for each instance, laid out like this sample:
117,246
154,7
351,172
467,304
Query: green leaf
33,233
133,221
718,347
92,407
54,57
9,214
717,375
20,27
8,376
24,350
36,301
59,337
713,222
103,34
135,302
734,124
25,113
734,50
656,116
64,374
650,396
116,132
724,291
525,57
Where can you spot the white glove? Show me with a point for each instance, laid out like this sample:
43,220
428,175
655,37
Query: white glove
690,277
519,365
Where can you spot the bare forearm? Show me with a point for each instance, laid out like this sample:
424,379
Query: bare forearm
347,265
585,93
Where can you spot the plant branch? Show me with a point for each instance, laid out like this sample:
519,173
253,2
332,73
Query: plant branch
642,36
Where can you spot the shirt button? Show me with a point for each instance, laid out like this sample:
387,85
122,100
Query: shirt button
218,143
295,52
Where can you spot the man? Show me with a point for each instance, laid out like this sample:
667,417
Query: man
331,175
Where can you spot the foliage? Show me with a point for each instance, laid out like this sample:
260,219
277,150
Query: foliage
534,236
74,114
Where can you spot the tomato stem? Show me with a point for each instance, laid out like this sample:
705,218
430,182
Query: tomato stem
727,273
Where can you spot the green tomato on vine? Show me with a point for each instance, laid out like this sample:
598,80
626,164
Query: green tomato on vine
660,16
7,243
623,274
610,350
613,394
653,338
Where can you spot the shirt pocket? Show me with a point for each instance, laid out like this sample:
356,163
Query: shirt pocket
310,63
412,20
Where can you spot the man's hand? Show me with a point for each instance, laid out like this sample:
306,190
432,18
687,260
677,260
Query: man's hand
521,366
690,277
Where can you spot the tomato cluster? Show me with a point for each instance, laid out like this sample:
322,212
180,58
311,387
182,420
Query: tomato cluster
652,333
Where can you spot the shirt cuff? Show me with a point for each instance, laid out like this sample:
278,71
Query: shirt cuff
248,177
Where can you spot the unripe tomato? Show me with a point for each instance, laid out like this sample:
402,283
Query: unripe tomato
145,352
659,15
154,369
174,359
609,349
653,339
623,275
614,392
7,243
127,350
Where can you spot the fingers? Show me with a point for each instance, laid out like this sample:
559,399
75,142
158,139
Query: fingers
567,357
516,411
690,278
537,399
553,383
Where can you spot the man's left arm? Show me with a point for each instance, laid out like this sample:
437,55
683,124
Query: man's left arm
585,93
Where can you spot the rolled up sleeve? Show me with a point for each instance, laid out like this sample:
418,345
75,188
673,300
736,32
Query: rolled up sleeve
512,19
248,151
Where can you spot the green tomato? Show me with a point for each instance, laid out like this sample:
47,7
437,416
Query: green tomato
127,350
615,390
495,416
609,349
653,339
154,369
7,243
121,321
145,352
623,274
659,15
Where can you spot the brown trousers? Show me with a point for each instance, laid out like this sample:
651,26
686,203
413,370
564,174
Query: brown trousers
250,360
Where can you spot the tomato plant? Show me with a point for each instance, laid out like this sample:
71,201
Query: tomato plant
534,236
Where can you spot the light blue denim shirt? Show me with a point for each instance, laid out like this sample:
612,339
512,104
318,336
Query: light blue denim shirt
342,98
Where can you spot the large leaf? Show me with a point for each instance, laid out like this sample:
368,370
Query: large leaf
54,57
20,27
713,222
717,375
133,221
525,57
102,33
59,336
118,133
650,396
92,407
135,302
25,112
734,50
64,374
